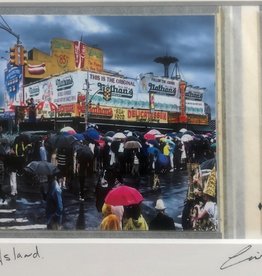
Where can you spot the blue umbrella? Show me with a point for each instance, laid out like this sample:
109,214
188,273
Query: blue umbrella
91,133
154,151
79,136
171,134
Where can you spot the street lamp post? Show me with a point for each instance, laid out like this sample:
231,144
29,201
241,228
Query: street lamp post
86,89
183,117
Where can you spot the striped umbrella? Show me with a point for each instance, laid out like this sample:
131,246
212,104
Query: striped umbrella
46,105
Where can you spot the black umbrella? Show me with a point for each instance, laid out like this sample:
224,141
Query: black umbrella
110,133
107,139
208,164
50,141
41,168
25,138
65,141
84,153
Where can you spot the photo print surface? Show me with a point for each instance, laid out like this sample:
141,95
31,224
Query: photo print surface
108,123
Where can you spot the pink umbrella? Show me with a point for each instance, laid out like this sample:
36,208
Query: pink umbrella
149,136
123,196
154,132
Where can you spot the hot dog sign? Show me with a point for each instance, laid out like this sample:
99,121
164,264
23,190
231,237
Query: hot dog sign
36,69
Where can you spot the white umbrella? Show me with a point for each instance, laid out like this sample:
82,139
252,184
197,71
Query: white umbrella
186,138
119,135
183,130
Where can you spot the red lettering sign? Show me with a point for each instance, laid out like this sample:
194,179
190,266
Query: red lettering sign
101,111
79,50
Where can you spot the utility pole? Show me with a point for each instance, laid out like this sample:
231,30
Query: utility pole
86,89
6,27
17,53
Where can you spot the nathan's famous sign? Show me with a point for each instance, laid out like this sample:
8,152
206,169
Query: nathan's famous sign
111,91
158,85
117,87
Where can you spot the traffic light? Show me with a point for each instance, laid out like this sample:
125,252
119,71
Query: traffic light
14,56
23,55
107,94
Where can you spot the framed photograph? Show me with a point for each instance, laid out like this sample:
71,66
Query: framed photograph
112,117
126,128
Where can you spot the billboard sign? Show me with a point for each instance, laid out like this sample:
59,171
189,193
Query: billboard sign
195,107
65,56
194,93
148,83
118,87
121,93
14,85
63,89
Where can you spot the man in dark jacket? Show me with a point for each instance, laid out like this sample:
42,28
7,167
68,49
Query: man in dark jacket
161,221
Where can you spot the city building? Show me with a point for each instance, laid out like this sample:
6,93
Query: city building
72,78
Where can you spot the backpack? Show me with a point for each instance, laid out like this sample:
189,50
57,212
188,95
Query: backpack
19,149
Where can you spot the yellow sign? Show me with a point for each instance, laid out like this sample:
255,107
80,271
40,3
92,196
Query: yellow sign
197,119
125,114
66,55
143,115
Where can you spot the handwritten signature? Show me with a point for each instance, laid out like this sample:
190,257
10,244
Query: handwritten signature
14,255
240,257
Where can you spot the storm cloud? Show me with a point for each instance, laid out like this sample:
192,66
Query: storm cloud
130,43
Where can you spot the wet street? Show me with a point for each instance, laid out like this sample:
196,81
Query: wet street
26,211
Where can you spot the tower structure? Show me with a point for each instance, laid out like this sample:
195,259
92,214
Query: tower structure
166,61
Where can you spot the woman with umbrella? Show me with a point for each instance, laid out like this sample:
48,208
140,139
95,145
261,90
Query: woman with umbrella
130,198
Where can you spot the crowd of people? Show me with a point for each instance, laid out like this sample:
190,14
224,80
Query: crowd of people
111,156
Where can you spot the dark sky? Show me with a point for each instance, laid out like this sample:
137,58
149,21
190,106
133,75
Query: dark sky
130,43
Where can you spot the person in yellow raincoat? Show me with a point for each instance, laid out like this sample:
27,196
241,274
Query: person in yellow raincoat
134,220
111,218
